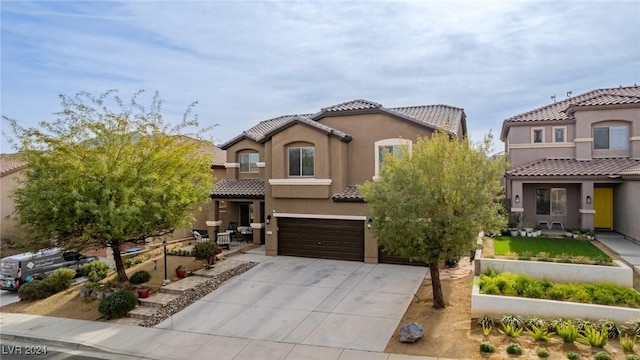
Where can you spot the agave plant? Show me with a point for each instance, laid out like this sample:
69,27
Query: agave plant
593,337
511,330
567,331
540,333
514,320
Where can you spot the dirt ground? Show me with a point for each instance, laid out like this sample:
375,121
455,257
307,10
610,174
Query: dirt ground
69,304
451,333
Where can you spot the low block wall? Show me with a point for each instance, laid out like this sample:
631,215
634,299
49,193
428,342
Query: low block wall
619,274
497,305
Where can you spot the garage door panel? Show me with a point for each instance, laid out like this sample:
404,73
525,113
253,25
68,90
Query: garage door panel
321,238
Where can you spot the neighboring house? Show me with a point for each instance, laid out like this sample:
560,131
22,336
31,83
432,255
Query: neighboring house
576,163
293,178
10,174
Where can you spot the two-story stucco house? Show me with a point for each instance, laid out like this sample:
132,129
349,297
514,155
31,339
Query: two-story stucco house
576,163
293,178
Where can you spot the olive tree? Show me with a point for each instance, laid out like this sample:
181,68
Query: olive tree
106,172
430,203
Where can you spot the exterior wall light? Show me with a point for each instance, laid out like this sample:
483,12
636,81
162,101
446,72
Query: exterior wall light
517,199
369,223
268,219
588,199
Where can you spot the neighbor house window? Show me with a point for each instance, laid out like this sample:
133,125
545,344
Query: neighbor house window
559,134
302,161
610,138
551,201
249,162
537,135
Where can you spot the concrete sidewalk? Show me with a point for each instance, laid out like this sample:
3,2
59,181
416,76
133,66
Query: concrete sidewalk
629,251
153,343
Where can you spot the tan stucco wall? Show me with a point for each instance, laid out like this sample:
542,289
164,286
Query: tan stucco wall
366,130
521,150
627,209
233,156
8,230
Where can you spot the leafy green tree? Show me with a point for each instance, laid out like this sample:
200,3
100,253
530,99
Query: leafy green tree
429,204
106,172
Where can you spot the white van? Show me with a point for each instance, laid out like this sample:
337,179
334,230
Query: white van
17,269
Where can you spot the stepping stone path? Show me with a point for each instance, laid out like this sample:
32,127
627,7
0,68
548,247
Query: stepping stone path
463,269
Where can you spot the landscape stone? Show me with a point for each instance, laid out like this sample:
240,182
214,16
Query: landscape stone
411,333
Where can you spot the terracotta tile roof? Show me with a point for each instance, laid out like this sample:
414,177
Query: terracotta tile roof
349,194
434,116
9,164
358,104
557,111
220,156
633,170
438,116
572,167
239,188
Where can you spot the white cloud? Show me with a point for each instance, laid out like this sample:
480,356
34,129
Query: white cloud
249,61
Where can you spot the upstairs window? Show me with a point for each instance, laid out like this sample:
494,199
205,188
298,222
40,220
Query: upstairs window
302,161
392,146
394,150
610,138
559,134
537,135
249,162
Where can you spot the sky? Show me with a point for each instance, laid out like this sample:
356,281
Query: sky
248,61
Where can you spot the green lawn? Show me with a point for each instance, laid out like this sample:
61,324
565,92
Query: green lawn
555,247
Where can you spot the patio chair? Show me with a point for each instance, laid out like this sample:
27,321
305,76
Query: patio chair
224,240
201,235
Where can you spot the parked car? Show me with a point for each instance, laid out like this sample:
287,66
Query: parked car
17,269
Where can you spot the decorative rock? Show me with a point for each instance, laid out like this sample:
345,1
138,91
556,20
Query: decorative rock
411,333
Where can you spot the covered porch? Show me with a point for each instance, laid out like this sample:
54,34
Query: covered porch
237,214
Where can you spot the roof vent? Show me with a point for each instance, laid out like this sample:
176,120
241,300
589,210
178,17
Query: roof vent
553,97
569,94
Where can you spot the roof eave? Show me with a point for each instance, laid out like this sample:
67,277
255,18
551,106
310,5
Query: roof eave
236,140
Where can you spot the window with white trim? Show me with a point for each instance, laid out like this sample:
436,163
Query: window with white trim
302,161
560,134
389,146
249,162
611,138
537,135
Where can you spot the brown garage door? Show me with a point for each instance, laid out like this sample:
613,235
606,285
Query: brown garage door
321,238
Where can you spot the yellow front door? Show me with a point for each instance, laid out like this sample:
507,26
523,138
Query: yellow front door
603,205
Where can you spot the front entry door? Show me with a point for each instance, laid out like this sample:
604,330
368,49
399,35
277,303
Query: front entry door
603,205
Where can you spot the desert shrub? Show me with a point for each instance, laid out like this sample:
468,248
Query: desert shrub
95,270
628,343
573,356
61,279
514,320
524,286
34,290
140,277
487,347
486,321
204,250
567,331
514,349
117,304
510,330
612,328
593,337
602,355
537,322
632,357
543,353
540,333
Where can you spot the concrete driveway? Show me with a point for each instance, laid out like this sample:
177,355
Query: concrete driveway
339,304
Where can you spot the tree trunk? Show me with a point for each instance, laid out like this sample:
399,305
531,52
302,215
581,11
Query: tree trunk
436,287
122,275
